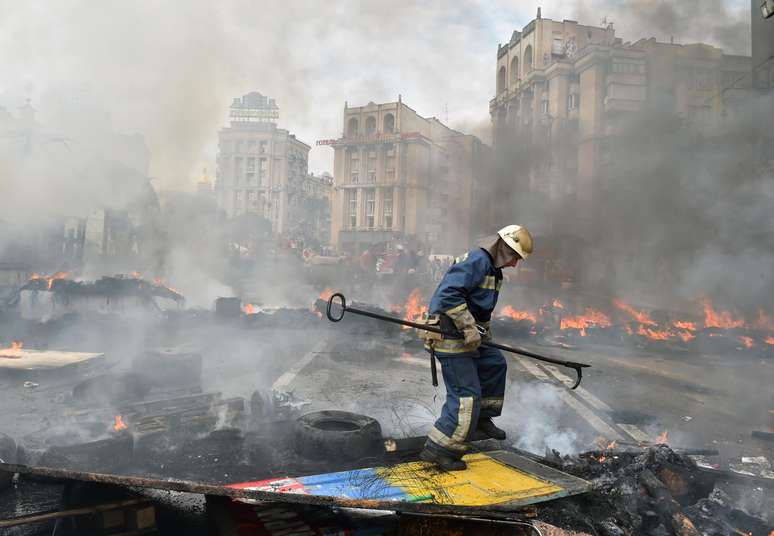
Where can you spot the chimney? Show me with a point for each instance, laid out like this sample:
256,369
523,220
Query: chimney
538,14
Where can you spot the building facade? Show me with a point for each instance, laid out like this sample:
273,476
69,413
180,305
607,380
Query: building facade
563,89
310,210
762,25
401,176
260,167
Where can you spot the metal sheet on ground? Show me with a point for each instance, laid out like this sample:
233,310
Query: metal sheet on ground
498,478
496,483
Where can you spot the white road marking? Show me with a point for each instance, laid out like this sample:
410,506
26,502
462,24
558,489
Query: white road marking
635,433
284,381
580,391
593,419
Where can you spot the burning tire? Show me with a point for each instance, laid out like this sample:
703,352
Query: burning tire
337,435
7,455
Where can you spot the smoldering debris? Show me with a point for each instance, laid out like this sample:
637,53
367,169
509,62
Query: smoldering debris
649,491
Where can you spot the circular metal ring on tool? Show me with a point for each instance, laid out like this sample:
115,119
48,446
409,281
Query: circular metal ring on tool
328,309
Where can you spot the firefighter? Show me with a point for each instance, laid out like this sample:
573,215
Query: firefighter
474,377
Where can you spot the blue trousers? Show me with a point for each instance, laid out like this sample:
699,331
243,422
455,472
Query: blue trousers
475,385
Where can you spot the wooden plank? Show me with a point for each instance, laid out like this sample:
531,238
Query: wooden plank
24,359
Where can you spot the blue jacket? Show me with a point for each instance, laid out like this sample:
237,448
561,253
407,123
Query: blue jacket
471,280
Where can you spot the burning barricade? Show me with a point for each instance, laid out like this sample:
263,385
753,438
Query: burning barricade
49,297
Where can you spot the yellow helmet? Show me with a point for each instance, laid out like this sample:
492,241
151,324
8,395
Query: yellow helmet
518,239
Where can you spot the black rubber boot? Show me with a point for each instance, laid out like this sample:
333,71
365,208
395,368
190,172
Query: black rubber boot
487,427
441,459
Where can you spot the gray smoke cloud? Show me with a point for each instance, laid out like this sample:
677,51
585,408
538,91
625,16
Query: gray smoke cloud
717,22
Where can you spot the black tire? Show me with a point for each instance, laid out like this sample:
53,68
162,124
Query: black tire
8,454
331,435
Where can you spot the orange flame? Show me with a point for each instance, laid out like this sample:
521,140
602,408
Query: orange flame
680,324
663,438
160,283
414,309
640,316
686,336
136,275
722,319
747,341
611,446
655,334
119,424
770,340
248,309
326,294
510,312
14,351
556,303
50,278
592,318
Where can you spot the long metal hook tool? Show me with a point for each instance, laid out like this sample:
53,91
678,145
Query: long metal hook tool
577,367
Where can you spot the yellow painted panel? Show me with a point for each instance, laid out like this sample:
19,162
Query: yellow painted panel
485,482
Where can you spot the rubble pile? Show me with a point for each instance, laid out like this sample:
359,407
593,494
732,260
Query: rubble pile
653,491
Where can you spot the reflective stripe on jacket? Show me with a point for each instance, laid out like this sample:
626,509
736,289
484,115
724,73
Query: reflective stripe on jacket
471,281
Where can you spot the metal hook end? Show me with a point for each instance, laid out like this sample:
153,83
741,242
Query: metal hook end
579,372
329,307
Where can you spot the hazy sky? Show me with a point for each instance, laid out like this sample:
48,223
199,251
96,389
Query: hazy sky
170,69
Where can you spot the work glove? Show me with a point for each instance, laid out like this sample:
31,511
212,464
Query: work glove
466,324
472,336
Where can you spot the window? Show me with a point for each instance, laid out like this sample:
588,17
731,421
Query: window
237,169
527,59
387,208
371,166
352,127
557,47
573,101
515,69
251,165
352,208
389,124
501,80
262,147
237,201
702,79
627,67
263,173
251,200
544,107
370,125
370,206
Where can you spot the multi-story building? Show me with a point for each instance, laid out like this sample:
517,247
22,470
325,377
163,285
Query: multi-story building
398,175
564,89
762,12
260,166
311,209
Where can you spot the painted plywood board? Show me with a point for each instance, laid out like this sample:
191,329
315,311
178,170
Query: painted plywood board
491,479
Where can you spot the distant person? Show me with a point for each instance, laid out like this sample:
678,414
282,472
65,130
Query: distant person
474,376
